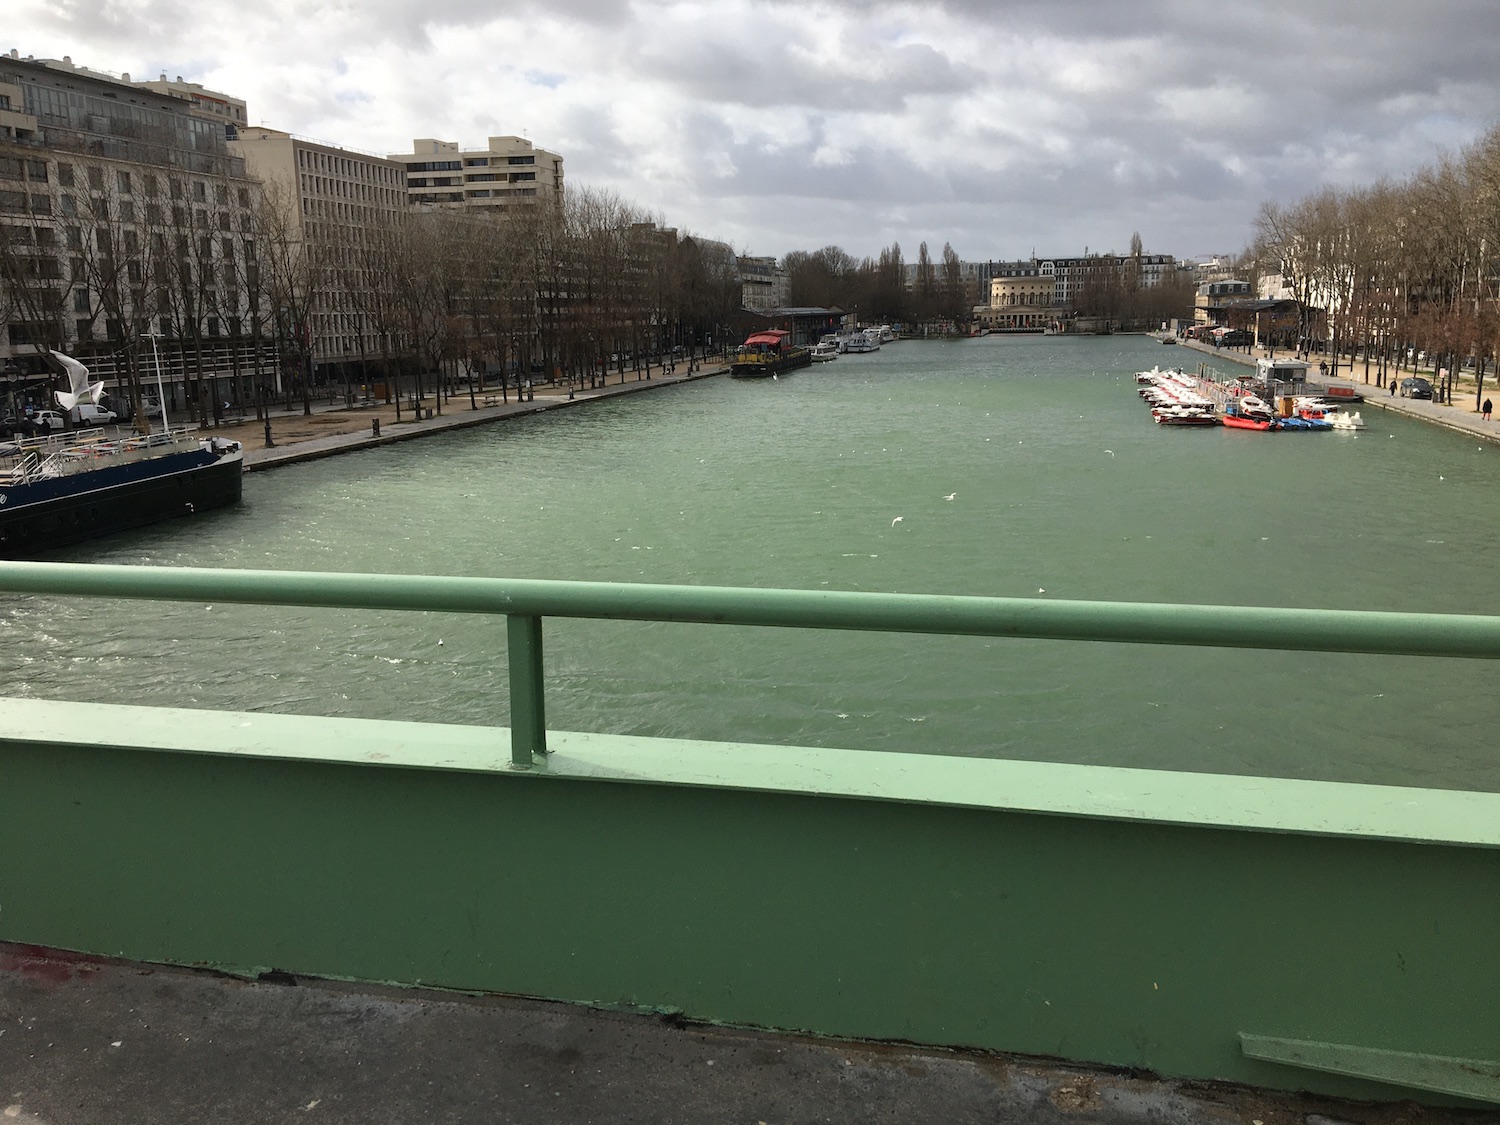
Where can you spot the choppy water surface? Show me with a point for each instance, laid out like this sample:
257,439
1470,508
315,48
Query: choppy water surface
1062,484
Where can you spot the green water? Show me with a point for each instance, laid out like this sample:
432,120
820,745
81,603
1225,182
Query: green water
1062,485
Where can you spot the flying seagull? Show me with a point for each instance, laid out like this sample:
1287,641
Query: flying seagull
1111,452
897,520
950,496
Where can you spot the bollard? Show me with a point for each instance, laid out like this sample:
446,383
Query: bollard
374,427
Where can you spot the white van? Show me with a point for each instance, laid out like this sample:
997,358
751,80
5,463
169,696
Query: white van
87,414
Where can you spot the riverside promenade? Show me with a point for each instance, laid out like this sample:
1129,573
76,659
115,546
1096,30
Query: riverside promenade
1460,415
339,428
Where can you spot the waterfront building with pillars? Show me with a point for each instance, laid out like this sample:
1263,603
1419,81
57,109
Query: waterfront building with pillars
510,173
123,217
334,211
1020,302
1069,276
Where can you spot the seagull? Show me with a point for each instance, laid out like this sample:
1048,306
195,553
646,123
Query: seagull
950,496
1111,452
897,520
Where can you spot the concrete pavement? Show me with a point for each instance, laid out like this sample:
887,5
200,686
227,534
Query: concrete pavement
89,1041
337,428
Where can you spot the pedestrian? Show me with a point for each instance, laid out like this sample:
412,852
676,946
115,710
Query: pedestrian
1485,409
1323,368
1393,386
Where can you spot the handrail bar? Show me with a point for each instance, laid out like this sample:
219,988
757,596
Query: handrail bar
526,601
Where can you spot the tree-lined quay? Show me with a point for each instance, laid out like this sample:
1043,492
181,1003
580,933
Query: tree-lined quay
1405,273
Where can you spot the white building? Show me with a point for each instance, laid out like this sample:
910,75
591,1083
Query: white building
510,172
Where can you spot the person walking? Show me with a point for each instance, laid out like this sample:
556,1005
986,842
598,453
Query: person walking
1485,409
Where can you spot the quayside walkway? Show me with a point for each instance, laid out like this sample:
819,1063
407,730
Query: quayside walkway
1459,415
1273,933
341,429
90,1041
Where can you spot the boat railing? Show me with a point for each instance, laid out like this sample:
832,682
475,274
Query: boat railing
525,603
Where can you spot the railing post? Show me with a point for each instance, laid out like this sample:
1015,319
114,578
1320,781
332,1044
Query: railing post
528,709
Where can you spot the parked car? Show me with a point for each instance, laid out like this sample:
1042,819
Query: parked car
49,420
1414,387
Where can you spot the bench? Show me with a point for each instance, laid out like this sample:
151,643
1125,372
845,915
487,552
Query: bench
492,400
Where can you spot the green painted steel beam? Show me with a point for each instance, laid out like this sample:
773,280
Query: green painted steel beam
1478,1079
1076,912
528,704
1314,630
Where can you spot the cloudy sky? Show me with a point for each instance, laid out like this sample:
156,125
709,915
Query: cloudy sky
1003,126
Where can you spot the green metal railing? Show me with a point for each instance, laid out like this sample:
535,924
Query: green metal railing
525,602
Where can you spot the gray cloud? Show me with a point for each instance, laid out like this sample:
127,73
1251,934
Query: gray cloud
1053,124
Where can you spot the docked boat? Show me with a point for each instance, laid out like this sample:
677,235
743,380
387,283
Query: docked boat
767,353
826,350
70,487
866,340
1236,419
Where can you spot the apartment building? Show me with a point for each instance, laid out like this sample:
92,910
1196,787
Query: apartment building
123,215
1069,276
763,284
207,104
333,204
510,173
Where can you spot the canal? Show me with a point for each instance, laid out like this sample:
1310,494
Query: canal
1022,467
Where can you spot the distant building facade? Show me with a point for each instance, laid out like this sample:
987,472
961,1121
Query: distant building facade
123,215
511,172
764,285
331,200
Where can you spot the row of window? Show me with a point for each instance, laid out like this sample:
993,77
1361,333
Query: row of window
347,168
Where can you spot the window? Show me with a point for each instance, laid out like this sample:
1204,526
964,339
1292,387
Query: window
96,179
477,163
521,160
65,175
81,301
84,329
37,170
519,176
127,211
122,181
133,271
244,194
221,194
200,191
